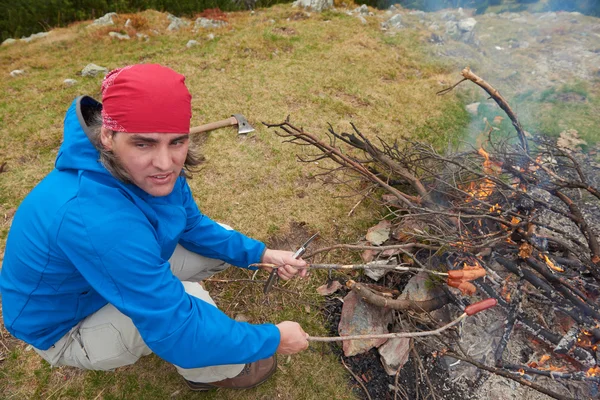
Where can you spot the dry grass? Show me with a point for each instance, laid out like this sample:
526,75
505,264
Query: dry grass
319,69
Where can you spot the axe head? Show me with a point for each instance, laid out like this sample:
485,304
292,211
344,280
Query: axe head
243,126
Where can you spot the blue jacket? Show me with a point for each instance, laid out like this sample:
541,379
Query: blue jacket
82,239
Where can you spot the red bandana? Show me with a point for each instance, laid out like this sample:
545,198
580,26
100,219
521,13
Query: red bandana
146,98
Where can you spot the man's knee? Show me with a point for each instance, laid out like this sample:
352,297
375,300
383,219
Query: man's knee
196,290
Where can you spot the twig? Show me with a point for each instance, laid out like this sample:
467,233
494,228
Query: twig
468,74
390,267
262,281
408,246
575,376
387,335
509,375
356,378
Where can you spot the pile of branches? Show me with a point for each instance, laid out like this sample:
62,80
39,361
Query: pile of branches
521,205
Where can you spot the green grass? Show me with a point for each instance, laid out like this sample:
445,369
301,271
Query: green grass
326,68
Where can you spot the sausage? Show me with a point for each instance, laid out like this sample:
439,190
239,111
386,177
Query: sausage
480,306
466,274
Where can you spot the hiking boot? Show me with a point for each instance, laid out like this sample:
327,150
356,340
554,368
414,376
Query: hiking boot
252,375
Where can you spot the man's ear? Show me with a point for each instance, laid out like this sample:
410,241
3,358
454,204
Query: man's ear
106,138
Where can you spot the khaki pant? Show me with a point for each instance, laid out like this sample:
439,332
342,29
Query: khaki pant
108,339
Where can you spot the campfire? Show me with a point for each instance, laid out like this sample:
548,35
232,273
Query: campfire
515,219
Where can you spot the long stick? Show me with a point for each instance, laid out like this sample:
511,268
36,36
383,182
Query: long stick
391,267
387,335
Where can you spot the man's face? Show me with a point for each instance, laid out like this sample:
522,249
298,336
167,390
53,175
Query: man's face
152,160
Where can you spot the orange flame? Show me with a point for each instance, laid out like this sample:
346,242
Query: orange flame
553,266
595,371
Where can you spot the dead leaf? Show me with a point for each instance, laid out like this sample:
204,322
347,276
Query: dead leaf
525,250
329,288
368,255
498,119
570,139
379,233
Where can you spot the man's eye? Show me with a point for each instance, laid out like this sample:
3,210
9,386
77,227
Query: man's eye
141,145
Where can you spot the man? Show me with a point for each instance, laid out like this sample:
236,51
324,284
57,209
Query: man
104,256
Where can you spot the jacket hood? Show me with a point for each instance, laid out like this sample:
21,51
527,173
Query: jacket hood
77,151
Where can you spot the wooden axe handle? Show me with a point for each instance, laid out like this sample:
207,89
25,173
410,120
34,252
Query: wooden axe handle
214,125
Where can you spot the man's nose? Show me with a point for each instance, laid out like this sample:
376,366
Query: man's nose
162,159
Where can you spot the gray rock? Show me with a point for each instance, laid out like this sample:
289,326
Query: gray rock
119,36
210,36
448,16
9,41
451,28
472,108
420,14
69,82
420,288
362,20
105,20
128,23
176,23
315,5
192,43
34,36
206,23
551,15
362,10
93,70
393,23
394,354
467,25
17,72
142,36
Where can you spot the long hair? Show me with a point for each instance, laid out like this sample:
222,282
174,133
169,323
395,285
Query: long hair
112,163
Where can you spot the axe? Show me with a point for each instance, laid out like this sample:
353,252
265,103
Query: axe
236,119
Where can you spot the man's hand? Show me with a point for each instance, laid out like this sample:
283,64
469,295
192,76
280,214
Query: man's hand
293,338
288,264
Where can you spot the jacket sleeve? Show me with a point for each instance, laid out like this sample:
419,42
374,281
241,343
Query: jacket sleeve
208,238
115,249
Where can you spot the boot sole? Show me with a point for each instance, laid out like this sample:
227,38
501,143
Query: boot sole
205,387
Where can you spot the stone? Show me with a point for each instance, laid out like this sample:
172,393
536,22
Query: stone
472,108
206,23
394,354
17,72
467,25
393,23
69,82
142,36
119,36
176,23
105,20
362,20
192,43
210,36
34,36
9,41
451,27
93,70
363,10
127,23
314,5
361,318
